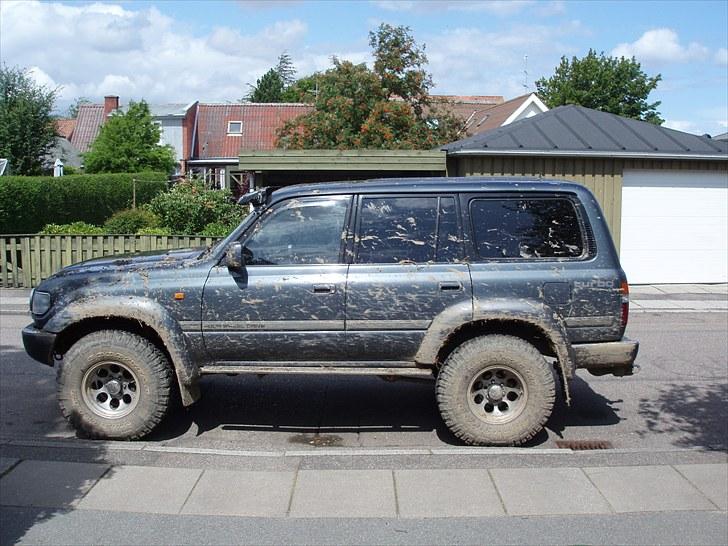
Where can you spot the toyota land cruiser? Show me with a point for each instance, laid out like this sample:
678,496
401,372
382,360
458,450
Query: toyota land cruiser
495,288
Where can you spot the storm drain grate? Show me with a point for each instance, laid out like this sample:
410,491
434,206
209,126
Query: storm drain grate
584,445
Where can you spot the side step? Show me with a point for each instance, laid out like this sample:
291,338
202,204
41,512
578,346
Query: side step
317,370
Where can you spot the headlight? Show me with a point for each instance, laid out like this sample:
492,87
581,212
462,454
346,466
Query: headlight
40,302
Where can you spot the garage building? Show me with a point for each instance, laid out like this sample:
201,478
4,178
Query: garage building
664,192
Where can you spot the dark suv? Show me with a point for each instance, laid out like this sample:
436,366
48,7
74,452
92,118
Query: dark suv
493,287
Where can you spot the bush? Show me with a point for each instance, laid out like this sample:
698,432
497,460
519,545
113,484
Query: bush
188,208
27,203
218,229
131,221
154,231
76,228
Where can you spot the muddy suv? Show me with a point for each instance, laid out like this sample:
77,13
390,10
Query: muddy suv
496,289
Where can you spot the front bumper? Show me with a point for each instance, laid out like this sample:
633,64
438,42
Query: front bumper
613,357
39,344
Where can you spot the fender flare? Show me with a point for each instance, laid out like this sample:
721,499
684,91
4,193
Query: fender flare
530,312
148,313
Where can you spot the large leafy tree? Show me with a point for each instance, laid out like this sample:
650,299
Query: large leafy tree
129,142
609,84
27,131
385,108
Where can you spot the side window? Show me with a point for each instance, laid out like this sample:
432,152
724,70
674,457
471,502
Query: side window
300,231
526,228
405,230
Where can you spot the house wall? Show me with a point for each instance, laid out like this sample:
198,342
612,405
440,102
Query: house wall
602,176
172,134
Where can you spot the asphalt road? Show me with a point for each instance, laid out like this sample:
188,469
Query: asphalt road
678,400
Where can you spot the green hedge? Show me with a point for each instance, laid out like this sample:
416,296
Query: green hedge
27,203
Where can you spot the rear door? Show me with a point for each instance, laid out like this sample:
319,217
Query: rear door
407,268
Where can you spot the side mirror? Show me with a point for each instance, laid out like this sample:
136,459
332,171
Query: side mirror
234,256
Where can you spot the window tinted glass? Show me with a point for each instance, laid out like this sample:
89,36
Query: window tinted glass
526,228
397,230
301,231
448,235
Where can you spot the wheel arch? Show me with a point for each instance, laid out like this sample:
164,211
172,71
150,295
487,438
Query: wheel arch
138,316
543,330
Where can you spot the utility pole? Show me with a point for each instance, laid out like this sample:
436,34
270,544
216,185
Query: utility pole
525,72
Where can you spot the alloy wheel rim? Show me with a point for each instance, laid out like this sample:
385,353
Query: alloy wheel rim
497,394
110,389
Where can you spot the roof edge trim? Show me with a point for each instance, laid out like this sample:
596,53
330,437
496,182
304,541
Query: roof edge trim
591,153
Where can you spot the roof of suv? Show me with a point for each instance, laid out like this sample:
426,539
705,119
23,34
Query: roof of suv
429,185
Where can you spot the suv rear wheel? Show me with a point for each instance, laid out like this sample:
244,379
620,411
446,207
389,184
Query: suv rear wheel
495,390
114,385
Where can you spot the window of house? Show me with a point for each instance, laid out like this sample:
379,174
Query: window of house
235,128
408,230
526,228
300,231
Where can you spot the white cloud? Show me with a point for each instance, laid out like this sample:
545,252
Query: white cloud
96,49
682,125
471,61
661,44
721,56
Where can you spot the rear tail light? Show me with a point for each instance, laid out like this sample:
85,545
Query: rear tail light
624,291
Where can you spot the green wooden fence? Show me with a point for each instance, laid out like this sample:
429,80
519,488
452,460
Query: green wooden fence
25,260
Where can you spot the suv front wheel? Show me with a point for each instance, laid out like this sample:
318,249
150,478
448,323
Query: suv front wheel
114,385
495,390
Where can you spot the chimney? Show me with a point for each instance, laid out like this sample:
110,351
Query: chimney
111,103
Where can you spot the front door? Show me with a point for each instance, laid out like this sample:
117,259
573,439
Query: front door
287,304
406,270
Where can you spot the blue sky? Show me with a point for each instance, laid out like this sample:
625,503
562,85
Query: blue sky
168,51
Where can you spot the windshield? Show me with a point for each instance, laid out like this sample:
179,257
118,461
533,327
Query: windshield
234,234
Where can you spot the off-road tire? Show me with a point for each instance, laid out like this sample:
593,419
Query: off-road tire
150,366
466,361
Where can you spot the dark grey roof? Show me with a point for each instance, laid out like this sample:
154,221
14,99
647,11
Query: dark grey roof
577,131
722,137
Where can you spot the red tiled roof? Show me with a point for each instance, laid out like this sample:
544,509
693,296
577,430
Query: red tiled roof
497,115
88,123
65,127
260,123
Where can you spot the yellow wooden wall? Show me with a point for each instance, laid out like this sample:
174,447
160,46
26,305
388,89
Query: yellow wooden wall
602,176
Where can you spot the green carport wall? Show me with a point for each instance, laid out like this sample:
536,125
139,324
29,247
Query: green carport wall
284,167
603,176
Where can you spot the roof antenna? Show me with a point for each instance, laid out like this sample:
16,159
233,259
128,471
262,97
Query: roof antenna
525,72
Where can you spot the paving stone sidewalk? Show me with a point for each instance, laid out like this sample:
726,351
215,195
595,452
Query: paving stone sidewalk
365,493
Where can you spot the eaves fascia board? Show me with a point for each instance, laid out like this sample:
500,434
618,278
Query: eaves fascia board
591,154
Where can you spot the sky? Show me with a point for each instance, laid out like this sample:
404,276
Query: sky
177,52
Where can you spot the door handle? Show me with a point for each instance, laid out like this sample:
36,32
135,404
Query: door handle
324,288
447,286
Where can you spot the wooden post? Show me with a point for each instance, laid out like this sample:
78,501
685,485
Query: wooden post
133,193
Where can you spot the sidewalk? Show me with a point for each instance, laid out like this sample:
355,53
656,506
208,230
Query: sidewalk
643,298
371,493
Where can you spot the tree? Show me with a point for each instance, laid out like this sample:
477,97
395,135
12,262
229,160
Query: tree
72,111
129,142
384,108
27,130
399,63
269,88
609,84
285,69
272,85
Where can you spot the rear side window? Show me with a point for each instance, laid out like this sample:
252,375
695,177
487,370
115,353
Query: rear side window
408,230
526,228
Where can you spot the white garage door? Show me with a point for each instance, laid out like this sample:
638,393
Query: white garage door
674,226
